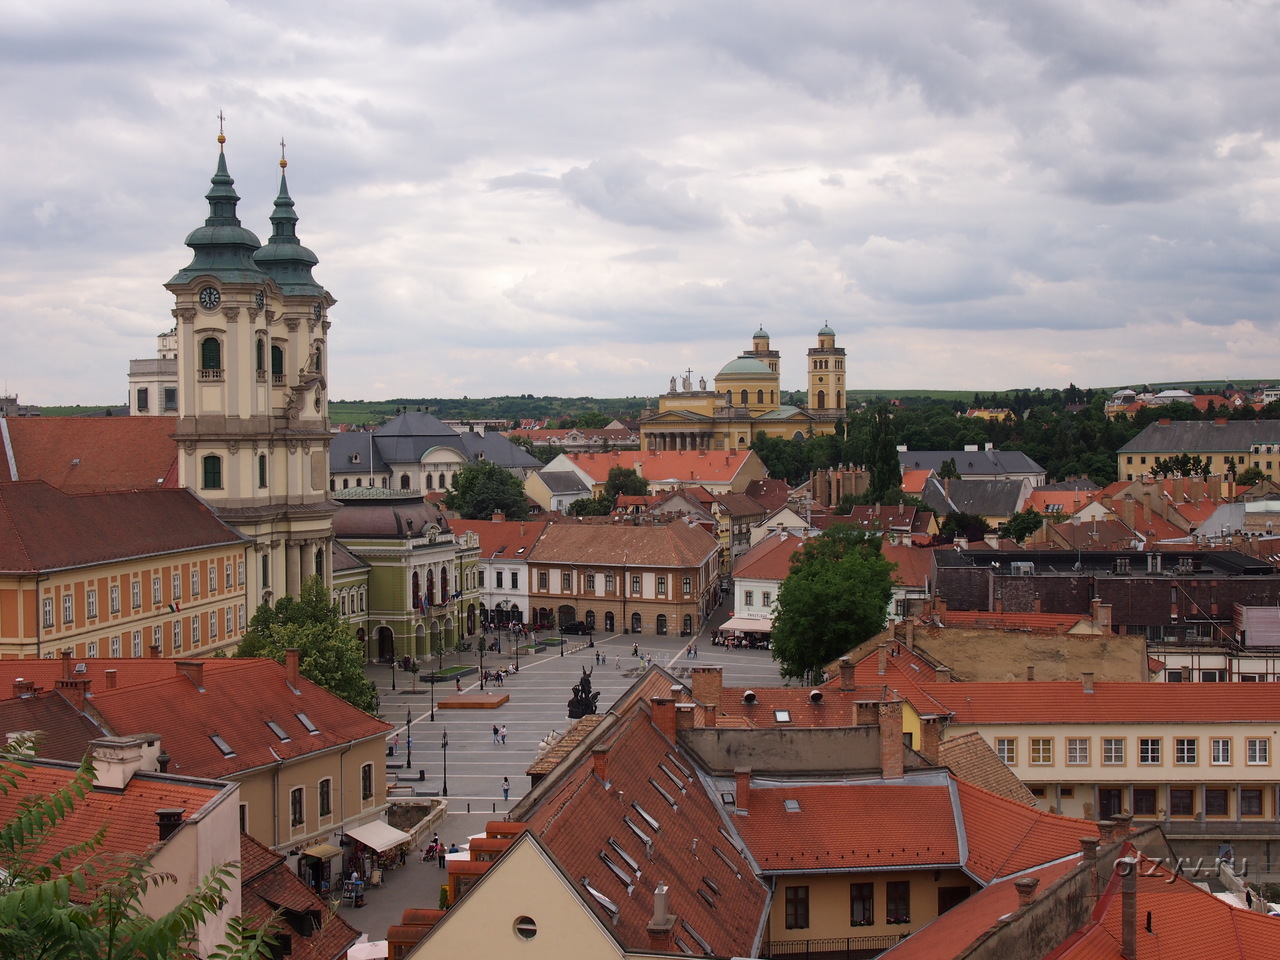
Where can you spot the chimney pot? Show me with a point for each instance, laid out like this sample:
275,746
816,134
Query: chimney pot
891,745
600,763
742,788
1031,671
66,664
1026,888
291,667
168,820
1124,824
664,716
846,673
109,677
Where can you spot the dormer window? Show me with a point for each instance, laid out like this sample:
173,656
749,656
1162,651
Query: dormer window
222,745
278,731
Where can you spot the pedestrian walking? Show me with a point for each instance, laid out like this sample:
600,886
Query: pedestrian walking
440,852
617,661
457,684
395,747
506,789
503,734
695,651
495,733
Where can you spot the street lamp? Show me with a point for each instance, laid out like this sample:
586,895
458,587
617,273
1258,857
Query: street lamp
433,678
393,673
408,729
444,745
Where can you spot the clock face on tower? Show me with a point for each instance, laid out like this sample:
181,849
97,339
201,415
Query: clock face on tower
210,298
259,298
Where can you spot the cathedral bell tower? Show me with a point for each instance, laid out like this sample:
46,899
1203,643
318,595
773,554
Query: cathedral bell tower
253,420
826,376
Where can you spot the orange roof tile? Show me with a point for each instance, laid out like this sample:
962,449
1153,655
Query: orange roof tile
699,466
915,565
770,559
92,454
913,481
502,539
239,698
990,620
44,672
1056,702
676,544
1006,837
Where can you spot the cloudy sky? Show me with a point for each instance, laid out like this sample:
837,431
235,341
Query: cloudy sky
584,198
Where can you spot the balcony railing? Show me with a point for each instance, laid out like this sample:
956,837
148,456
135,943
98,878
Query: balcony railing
210,374
848,948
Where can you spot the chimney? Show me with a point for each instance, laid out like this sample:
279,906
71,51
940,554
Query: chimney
115,761
1031,672
662,924
193,670
891,746
1089,852
707,685
943,674
109,677
664,716
909,632
685,716
73,691
498,516
23,688
1124,824
1026,888
846,673
154,649
1086,679
168,820
66,664
882,660
742,788
1106,832
866,713
1129,908
600,763
163,760
291,667
930,736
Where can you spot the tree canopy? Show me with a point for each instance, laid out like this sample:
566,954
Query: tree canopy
835,598
328,654
624,481
480,490
79,902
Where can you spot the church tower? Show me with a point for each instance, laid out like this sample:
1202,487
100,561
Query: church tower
826,376
253,419
760,350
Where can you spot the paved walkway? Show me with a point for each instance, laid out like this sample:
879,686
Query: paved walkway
537,705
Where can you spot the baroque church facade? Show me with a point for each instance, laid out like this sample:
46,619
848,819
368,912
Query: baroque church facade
253,422
746,400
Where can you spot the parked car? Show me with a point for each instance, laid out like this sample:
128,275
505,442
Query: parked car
576,626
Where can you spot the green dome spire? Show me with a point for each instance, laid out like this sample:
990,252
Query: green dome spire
223,248
284,259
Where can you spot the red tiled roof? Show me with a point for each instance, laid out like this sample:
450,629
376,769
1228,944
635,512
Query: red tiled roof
267,884
579,815
1006,837
835,709
990,620
1070,500
659,545
905,672
1186,923
914,564
502,539
849,826
1111,702
63,732
659,466
43,528
770,559
769,493
239,698
93,454
913,481
741,505
44,672
129,815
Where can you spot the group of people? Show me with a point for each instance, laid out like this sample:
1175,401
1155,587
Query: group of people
500,734
437,851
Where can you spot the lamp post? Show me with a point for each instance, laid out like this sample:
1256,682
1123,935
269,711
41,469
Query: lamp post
393,673
444,746
408,729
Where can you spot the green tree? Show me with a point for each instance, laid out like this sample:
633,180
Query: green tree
328,654
79,902
590,507
480,490
592,420
884,467
971,526
1249,476
949,470
625,481
1022,525
835,598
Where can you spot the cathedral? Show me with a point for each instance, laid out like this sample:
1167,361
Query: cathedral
253,420
746,400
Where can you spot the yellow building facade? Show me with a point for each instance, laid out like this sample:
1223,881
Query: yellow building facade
746,400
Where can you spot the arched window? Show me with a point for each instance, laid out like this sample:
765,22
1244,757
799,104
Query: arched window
839,400
384,483
635,623
759,396
608,621
772,397
212,472
277,361
210,354
662,625
591,619
443,484
318,352
346,483
822,400
444,584
430,479
262,470
260,356
431,589
744,398
417,591
404,481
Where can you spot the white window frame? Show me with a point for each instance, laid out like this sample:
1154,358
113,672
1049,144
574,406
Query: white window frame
114,598
156,595
115,647
91,604
1113,751
137,643
1258,751
1150,751
1007,750
1078,751
48,618
1186,751
68,608
136,594
1042,745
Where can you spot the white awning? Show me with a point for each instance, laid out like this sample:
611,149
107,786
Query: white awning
748,624
323,851
378,835
374,950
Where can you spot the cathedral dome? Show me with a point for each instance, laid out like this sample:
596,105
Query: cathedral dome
745,367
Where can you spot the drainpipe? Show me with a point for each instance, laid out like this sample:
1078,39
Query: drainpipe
275,799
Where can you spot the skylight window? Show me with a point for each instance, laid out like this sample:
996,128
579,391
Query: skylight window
617,871
674,779
727,862
617,848
665,796
644,837
519,551
278,731
601,898
222,745
706,947
646,817
791,806
680,766
711,885
707,897
782,716
306,722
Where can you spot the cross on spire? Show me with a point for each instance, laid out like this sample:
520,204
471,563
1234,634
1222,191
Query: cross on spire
283,162
221,136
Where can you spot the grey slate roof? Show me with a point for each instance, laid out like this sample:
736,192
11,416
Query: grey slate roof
563,481
410,435
971,463
1203,436
987,498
